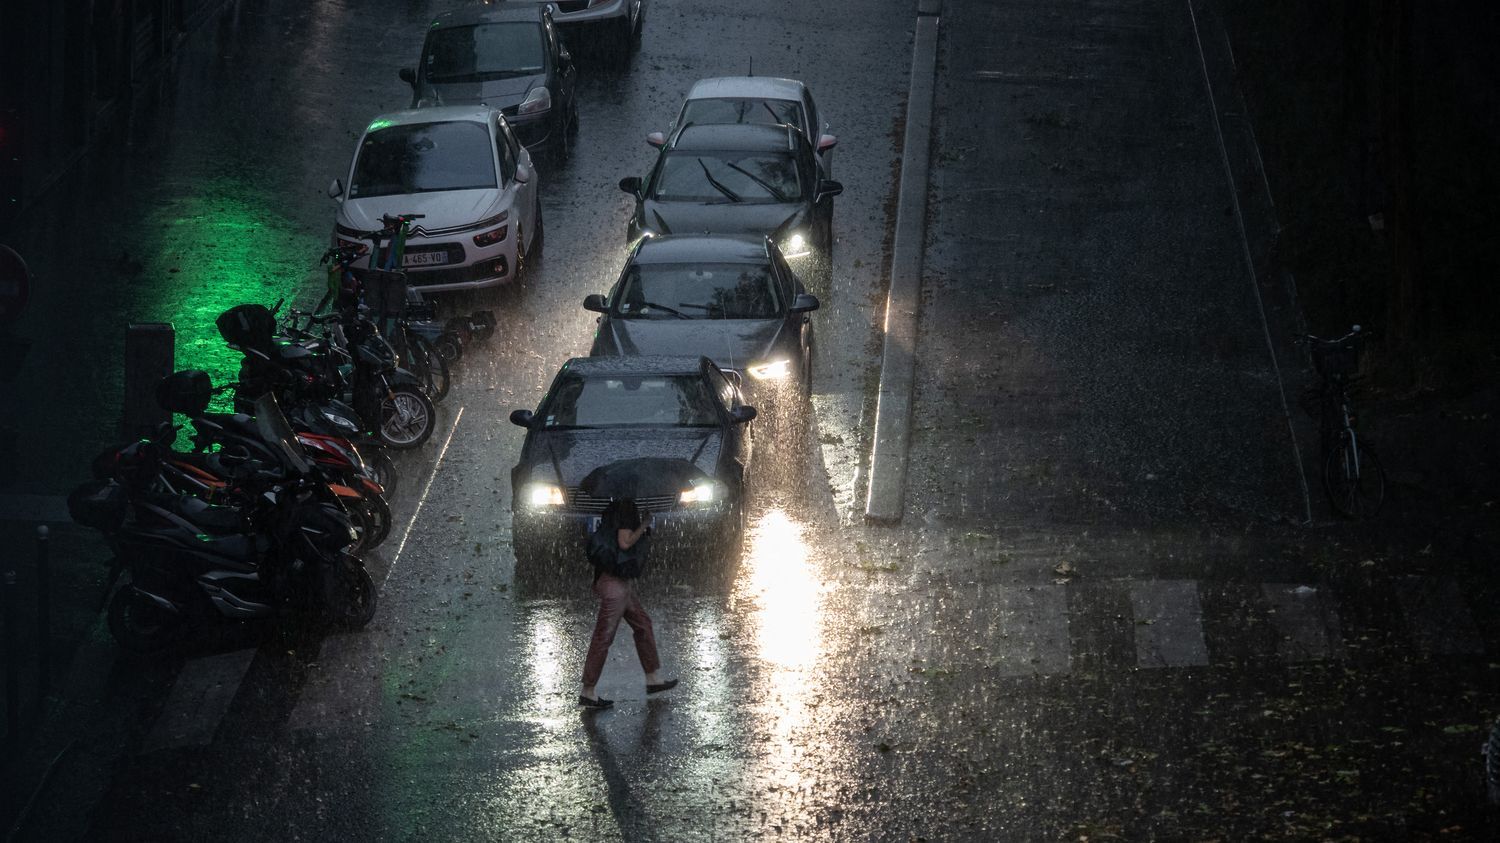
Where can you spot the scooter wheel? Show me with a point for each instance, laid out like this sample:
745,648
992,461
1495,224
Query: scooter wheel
449,347
140,625
407,418
348,592
383,471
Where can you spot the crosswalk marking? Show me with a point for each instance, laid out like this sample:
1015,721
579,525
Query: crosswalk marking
1306,622
1032,623
198,701
342,690
1168,624
1436,616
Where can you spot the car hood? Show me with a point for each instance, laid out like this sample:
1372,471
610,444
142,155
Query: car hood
726,218
495,93
440,209
730,343
577,452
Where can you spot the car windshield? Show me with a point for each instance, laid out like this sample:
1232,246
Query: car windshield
484,51
424,157
742,110
625,401
698,291
725,177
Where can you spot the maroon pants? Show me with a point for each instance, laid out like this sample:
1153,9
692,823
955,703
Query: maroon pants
617,600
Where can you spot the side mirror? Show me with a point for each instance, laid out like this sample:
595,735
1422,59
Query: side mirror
335,189
827,142
631,185
804,303
742,414
523,174
657,139
827,189
521,418
409,76
595,302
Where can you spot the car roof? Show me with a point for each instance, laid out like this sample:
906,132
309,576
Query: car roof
737,137
469,15
597,367
748,87
695,248
437,114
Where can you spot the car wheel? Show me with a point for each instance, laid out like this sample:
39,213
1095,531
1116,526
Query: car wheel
573,117
562,143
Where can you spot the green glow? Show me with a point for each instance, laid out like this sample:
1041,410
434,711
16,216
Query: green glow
377,125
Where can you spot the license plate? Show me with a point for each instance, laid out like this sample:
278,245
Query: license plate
424,258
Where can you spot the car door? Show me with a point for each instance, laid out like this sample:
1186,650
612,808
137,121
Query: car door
815,129
788,286
522,202
567,74
736,436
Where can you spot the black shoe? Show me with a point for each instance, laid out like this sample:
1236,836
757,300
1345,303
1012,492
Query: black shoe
665,686
595,703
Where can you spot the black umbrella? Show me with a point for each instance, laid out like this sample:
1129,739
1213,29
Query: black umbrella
641,477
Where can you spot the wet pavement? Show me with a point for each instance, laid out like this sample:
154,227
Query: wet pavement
1100,619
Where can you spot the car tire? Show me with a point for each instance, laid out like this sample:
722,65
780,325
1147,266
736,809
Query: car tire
573,117
539,239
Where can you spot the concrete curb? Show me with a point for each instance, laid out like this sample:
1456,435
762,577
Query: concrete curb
892,437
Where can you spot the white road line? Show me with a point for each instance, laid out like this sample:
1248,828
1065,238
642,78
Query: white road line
1168,624
1307,622
1436,616
1028,633
1239,217
198,701
423,499
342,690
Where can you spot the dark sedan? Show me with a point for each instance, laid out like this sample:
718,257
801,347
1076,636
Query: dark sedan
732,299
509,58
740,179
603,410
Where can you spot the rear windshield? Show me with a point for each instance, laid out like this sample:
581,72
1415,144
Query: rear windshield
650,400
483,52
424,157
698,291
699,112
728,177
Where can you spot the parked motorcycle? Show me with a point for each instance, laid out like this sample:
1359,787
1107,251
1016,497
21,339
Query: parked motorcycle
285,546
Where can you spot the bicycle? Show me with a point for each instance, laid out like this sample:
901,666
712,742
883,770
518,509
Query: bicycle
1353,478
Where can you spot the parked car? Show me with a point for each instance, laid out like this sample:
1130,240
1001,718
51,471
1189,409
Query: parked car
614,24
739,179
508,57
606,409
463,169
732,299
754,99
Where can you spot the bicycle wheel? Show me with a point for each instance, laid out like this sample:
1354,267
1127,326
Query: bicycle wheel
1353,479
434,365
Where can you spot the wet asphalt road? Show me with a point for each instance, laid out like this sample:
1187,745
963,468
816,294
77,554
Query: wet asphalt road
1095,622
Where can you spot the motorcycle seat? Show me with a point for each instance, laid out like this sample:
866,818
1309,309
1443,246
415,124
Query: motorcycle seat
212,519
233,422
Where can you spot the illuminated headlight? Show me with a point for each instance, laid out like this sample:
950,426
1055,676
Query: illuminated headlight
700,493
795,246
539,100
771,371
542,495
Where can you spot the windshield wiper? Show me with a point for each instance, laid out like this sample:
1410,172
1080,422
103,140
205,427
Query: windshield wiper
733,197
776,194
711,308
646,304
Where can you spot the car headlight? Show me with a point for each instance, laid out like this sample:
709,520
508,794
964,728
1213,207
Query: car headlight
543,495
774,370
703,493
795,246
539,100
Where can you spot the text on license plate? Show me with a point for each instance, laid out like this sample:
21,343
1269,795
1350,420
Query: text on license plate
424,258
